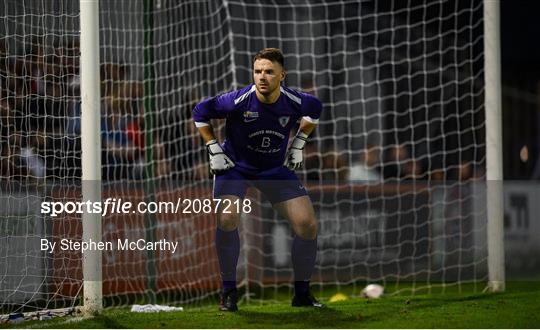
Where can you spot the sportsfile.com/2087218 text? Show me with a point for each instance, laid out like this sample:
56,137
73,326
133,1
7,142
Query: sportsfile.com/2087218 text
121,206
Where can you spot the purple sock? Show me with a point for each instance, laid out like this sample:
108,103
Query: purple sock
303,254
228,250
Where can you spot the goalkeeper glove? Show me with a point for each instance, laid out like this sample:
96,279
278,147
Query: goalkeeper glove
219,162
295,157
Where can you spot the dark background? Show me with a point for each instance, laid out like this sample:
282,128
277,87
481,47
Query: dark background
520,57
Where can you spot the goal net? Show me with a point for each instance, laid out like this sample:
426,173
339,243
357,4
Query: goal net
394,169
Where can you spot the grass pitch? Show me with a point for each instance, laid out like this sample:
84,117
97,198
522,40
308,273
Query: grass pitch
518,307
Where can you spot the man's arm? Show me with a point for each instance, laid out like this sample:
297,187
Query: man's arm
207,133
294,158
219,161
306,126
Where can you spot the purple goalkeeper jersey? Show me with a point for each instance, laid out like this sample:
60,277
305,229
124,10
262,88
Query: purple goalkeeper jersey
257,134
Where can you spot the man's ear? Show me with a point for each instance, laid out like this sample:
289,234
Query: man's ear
283,74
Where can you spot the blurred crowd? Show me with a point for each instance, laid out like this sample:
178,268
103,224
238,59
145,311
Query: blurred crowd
377,164
40,129
36,92
40,116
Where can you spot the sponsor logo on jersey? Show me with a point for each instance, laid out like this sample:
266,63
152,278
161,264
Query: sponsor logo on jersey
284,120
250,116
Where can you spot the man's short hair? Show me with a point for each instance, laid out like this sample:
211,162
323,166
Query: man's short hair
271,54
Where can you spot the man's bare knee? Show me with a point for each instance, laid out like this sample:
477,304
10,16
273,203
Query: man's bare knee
228,221
306,227
299,211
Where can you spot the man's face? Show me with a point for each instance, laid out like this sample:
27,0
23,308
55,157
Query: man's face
267,76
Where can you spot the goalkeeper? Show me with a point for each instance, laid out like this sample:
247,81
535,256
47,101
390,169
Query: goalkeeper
259,119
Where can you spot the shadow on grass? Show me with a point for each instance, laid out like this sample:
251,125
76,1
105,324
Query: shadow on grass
302,318
107,322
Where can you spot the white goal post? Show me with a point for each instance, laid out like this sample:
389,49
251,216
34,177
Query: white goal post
91,151
494,155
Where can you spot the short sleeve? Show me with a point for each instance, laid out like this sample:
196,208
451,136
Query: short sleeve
213,108
311,107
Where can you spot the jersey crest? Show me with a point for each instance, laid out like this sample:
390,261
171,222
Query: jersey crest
284,120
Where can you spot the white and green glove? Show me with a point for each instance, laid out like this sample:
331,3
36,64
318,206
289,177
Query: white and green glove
219,162
295,157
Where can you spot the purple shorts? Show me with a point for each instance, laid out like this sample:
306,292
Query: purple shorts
277,185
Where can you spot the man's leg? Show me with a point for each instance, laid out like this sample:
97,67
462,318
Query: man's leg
228,186
228,249
228,243
299,211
